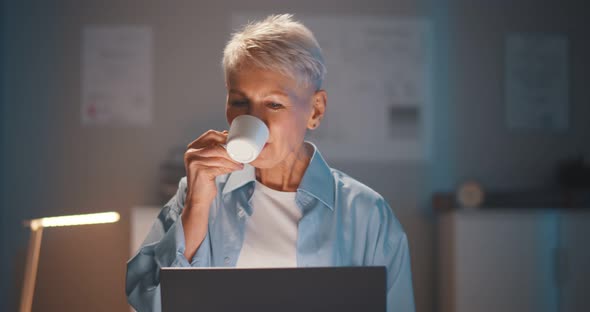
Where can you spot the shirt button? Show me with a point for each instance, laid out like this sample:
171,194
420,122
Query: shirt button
226,260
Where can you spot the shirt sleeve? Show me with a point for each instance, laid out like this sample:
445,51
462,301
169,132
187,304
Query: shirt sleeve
391,250
164,246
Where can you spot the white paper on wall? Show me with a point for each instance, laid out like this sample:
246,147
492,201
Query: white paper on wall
537,82
116,75
377,84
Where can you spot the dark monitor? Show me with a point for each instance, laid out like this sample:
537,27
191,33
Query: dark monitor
338,289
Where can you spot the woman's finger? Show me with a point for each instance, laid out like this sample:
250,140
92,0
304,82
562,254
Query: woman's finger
195,159
213,151
210,151
213,172
209,138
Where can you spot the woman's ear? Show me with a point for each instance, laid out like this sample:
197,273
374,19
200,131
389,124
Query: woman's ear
320,100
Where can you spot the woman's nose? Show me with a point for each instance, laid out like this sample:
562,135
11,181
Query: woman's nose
256,112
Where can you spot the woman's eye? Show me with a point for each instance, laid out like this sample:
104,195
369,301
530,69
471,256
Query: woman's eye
275,106
239,103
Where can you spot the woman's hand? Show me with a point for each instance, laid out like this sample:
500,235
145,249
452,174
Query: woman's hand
204,160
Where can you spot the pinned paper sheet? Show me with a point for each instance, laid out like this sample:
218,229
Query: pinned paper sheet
537,82
117,76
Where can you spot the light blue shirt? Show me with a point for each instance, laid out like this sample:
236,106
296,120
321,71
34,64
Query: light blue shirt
344,223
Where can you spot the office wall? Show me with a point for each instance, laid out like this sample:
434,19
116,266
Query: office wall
53,165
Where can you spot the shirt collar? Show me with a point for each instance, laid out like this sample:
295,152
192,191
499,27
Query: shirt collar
317,180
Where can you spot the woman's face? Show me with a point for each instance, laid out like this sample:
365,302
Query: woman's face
287,109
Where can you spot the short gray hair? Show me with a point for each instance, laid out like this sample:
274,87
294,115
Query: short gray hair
277,43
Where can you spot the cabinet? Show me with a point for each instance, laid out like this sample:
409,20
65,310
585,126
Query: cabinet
575,261
142,219
513,260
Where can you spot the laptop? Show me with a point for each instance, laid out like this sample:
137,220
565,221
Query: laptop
326,289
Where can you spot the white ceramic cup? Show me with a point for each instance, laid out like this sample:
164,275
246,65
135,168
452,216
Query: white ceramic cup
247,136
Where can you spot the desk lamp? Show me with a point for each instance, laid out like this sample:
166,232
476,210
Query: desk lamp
37,226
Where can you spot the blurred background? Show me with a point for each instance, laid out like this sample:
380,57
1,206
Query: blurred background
503,100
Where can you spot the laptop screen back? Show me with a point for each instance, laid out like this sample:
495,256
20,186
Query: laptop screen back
327,289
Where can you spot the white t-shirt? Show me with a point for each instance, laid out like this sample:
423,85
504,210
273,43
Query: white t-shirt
270,238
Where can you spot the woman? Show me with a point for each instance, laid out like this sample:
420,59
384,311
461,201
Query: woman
287,207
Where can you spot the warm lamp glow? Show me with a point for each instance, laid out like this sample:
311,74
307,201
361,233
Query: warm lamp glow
37,225
92,218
